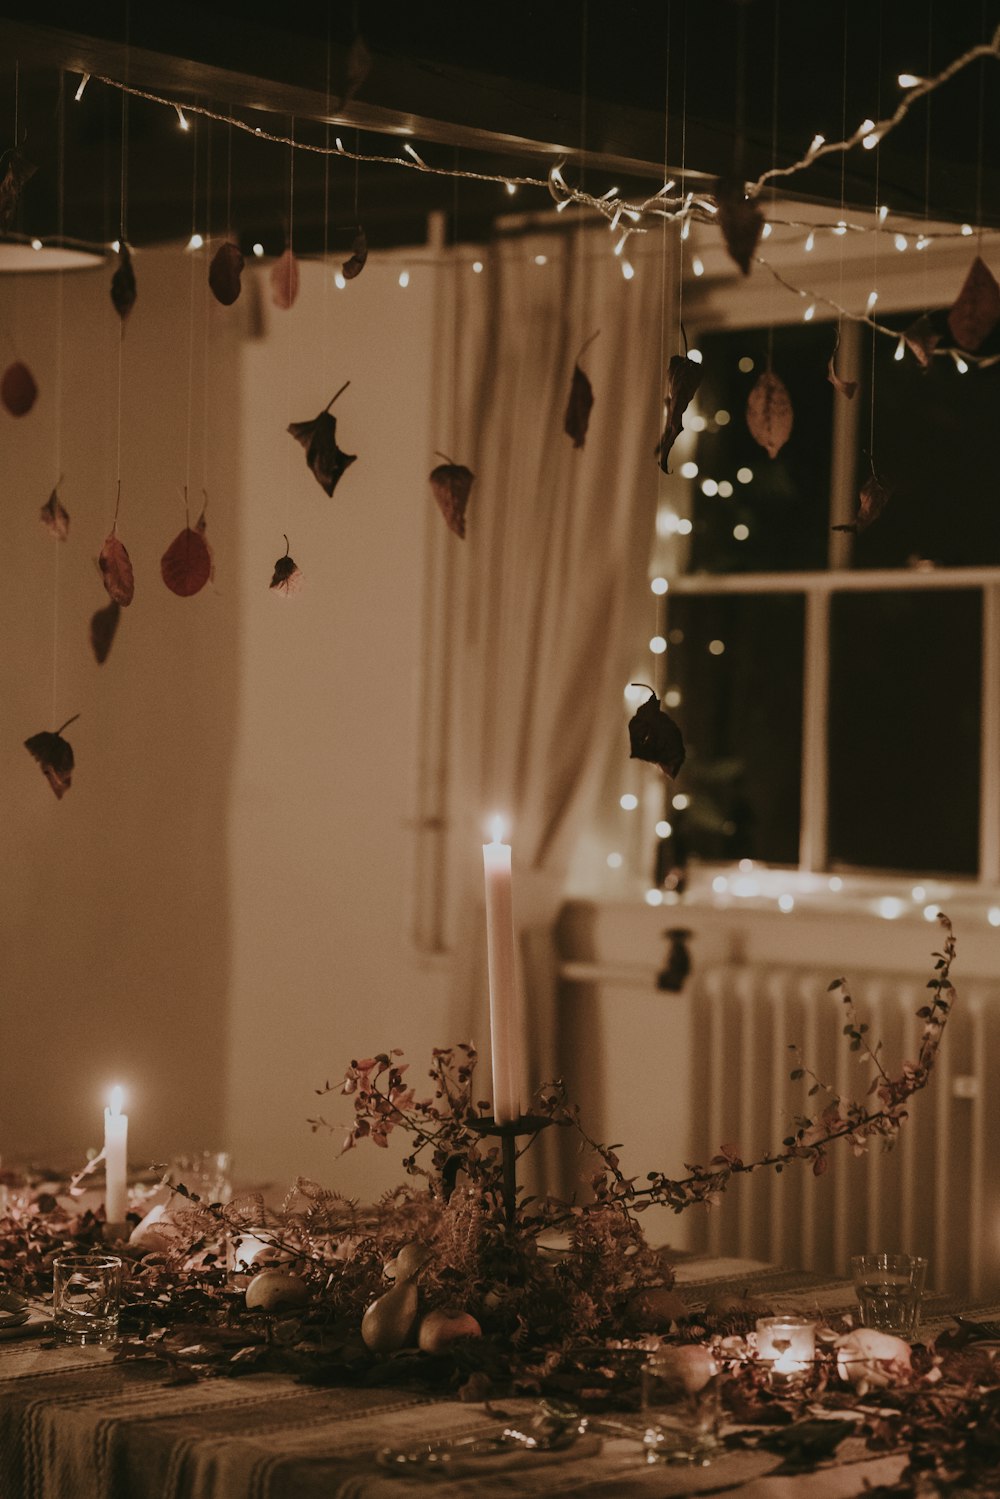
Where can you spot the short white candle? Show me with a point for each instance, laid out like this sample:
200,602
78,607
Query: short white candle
115,1159
788,1344
504,1036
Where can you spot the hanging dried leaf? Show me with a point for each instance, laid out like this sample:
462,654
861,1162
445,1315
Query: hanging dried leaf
116,570
451,483
186,565
581,399
19,169
18,390
103,626
224,273
872,501
848,388
286,577
769,413
359,254
976,310
683,378
922,338
285,281
55,518
655,737
55,756
359,62
123,289
740,220
319,438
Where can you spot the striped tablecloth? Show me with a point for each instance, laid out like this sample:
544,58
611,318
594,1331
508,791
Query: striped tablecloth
75,1425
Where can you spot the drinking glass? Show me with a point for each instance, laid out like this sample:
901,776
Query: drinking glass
681,1405
205,1172
86,1294
889,1288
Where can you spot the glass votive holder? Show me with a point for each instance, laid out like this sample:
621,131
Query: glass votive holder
788,1345
889,1288
86,1296
681,1405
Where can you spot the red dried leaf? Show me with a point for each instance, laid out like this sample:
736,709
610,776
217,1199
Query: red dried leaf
103,626
451,483
285,281
655,737
186,565
55,518
578,407
116,570
976,310
683,379
18,390
359,254
319,438
922,338
123,288
55,756
769,413
224,273
19,169
740,220
359,62
872,501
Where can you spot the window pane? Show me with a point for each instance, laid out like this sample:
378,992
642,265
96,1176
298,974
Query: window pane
768,514
741,711
904,730
936,446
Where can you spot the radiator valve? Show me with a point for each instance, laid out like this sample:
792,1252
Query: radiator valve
673,975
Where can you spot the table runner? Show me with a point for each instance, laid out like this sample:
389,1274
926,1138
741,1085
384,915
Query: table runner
75,1425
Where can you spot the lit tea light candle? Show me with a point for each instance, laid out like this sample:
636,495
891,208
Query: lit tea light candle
504,1021
788,1344
115,1159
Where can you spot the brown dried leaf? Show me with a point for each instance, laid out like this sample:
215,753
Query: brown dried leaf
581,399
186,565
55,518
18,390
19,169
55,756
103,626
769,413
848,388
325,459
123,288
683,379
655,737
451,483
286,577
976,310
872,501
359,254
116,570
359,62
922,338
224,273
285,281
740,220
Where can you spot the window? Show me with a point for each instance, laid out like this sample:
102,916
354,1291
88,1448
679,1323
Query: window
839,694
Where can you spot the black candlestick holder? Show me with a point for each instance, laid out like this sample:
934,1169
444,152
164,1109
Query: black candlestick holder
528,1124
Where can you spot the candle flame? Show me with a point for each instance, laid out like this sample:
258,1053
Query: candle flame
116,1100
497,828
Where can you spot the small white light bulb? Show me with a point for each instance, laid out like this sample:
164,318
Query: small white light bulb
182,119
628,270
404,279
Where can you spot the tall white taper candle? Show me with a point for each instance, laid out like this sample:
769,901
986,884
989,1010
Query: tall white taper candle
115,1159
503,994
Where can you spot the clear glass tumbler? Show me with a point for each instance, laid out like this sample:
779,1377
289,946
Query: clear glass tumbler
86,1295
681,1405
889,1288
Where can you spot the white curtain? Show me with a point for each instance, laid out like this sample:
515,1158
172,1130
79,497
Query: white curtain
552,575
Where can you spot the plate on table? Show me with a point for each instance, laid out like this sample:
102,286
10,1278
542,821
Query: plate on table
35,1322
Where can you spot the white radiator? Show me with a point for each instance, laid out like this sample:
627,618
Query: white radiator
937,1192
